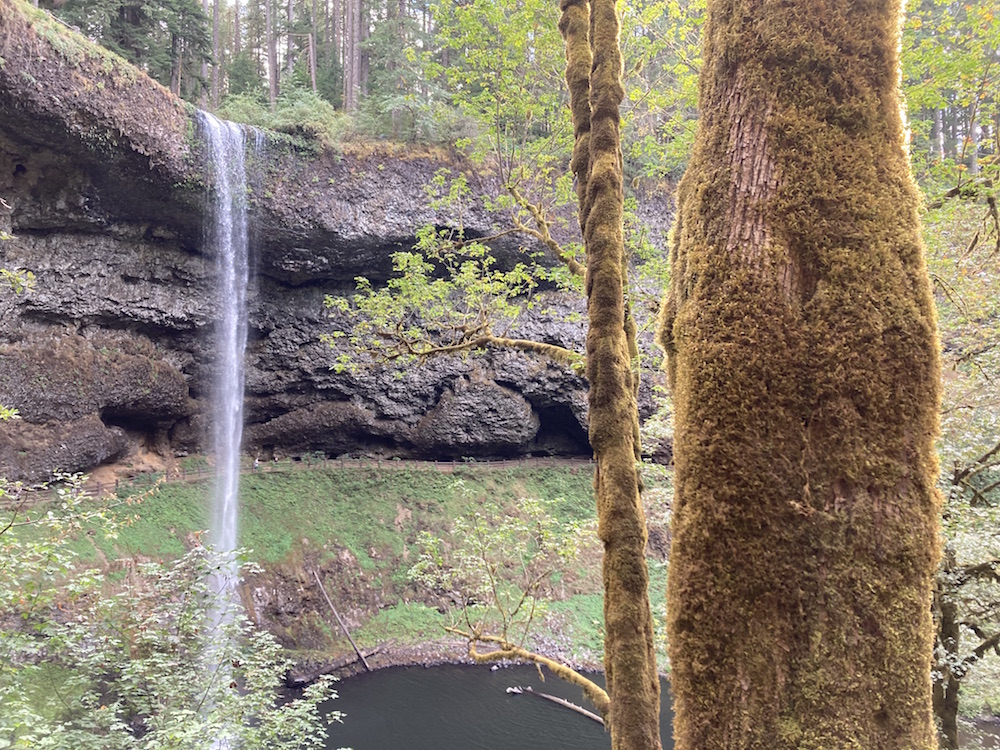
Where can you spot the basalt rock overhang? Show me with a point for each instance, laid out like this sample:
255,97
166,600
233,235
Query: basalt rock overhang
111,352
121,148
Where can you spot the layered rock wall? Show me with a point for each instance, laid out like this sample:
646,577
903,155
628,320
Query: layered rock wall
111,352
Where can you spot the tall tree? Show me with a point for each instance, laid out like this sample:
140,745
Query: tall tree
216,54
594,73
803,354
271,38
205,92
352,53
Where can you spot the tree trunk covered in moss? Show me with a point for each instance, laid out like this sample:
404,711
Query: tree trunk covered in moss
803,356
593,71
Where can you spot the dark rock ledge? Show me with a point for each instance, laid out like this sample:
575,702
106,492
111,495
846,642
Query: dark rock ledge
109,359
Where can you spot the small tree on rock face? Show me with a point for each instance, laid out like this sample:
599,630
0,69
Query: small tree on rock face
803,355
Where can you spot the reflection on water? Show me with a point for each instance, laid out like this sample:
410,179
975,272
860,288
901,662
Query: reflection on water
464,708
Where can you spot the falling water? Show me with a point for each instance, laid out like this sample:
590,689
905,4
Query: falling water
229,241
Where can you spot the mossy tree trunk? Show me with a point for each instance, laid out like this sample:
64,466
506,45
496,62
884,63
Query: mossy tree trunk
803,356
593,71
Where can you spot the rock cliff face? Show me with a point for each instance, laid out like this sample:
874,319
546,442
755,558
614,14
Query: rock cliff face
111,351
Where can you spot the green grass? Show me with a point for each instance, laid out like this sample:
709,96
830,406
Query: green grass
583,614
356,509
407,621
301,517
584,617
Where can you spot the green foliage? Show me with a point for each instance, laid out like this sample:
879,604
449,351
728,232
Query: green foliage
17,280
242,76
299,112
499,565
405,101
962,236
661,46
951,72
584,616
445,296
156,659
375,515
504,70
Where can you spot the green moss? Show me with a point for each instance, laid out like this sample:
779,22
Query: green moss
804,361
74,48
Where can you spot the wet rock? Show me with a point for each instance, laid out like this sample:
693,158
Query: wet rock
112,349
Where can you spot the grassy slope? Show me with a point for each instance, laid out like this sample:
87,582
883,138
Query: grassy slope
353,508
316,515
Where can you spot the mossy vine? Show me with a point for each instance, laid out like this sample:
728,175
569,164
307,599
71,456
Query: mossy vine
593,73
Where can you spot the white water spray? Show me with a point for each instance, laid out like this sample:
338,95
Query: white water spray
229,241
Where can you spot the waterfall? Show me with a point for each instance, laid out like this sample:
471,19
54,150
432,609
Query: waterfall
228,238
229,241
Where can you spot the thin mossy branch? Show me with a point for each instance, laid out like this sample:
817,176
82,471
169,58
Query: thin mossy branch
990,488
597,696
574,25
425,349
950,292
542,233
593,74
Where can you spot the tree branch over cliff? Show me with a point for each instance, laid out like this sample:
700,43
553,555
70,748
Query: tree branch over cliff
508,651
446,297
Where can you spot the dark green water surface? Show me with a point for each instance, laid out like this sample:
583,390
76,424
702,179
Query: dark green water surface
464,708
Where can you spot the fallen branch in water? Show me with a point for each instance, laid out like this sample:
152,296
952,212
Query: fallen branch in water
555,699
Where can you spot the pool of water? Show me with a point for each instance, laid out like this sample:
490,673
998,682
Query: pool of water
454,707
